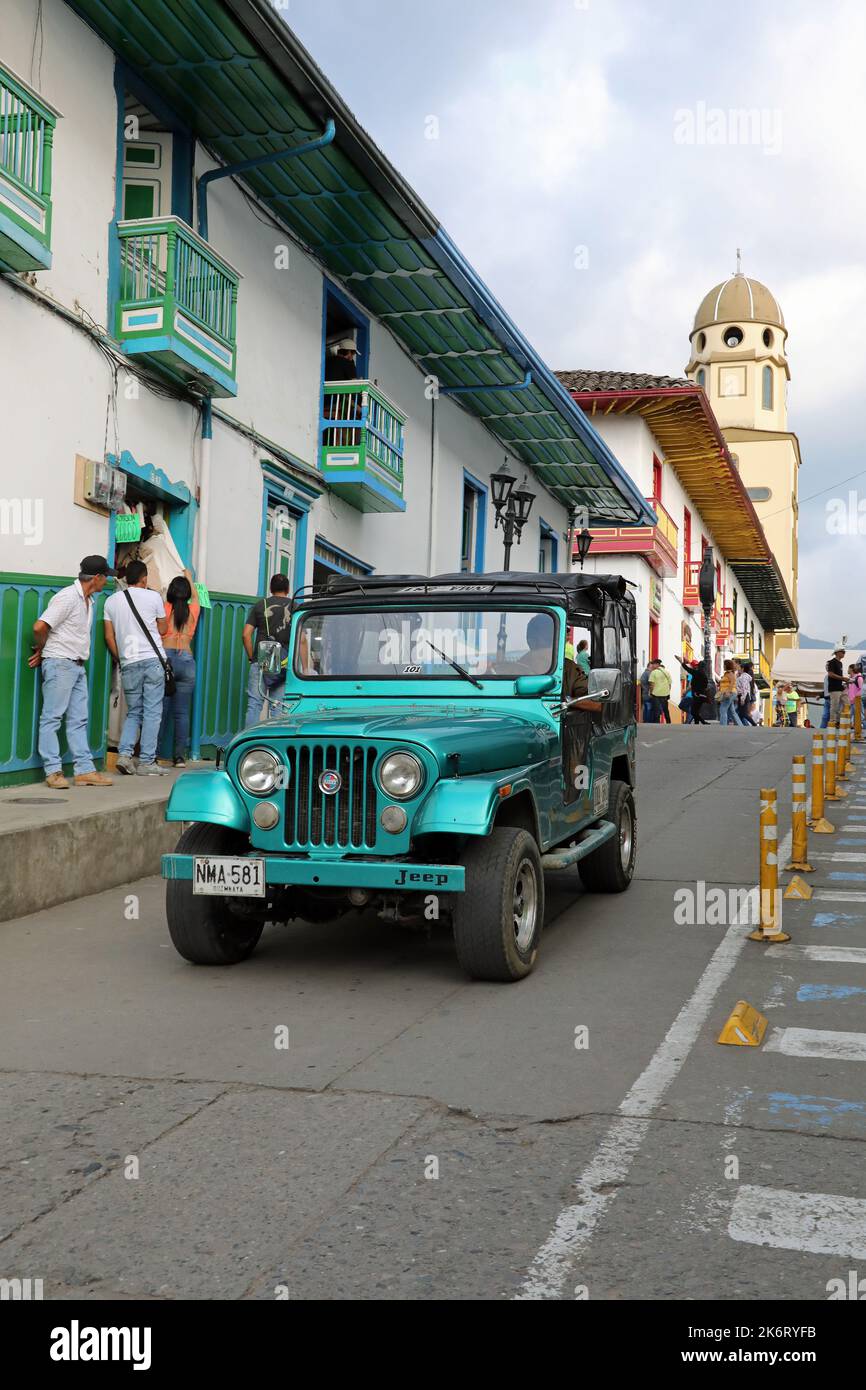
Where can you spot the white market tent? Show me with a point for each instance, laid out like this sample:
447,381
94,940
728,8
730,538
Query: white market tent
804,667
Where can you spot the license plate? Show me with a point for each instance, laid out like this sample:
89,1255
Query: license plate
221,876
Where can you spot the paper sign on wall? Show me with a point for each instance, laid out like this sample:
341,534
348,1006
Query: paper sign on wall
203,595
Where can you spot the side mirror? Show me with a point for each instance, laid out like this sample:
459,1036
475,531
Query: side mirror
528,686
604,683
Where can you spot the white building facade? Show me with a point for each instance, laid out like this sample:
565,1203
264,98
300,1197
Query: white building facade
182,333
666,437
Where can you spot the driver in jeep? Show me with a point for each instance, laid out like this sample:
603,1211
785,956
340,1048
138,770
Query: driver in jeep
536,662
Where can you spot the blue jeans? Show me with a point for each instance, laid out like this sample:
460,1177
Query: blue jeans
177,706
64,692
255,698
144,688
832,708
728,712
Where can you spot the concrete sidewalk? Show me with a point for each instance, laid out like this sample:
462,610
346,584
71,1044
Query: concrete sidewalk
59,845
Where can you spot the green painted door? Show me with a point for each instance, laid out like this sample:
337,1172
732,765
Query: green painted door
280,544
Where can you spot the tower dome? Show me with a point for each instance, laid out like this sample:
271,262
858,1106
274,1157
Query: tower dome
738,299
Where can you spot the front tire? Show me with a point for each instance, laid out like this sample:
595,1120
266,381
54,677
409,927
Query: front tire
499,918
204,930
610,868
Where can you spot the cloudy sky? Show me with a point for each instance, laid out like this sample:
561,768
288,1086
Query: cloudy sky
564,170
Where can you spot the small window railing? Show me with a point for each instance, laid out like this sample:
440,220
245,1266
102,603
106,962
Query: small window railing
357,416
26,140
163,257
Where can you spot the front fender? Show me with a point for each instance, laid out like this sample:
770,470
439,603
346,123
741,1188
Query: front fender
208,796
460,806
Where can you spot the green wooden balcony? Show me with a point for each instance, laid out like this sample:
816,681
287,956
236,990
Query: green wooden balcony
177,303
26,137
361,456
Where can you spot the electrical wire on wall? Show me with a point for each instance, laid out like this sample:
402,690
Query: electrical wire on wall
38,42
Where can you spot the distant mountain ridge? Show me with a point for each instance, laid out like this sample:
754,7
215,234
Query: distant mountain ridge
812,642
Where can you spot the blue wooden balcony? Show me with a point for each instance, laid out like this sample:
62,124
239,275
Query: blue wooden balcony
177,303
361,456
26,138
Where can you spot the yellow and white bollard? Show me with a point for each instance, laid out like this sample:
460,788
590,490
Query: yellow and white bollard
818,822
799,835
830,792
858,721
842,746
770,927
848,727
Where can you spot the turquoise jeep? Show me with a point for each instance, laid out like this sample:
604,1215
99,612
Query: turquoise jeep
435,752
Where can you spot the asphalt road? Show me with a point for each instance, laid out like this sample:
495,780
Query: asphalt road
580,1134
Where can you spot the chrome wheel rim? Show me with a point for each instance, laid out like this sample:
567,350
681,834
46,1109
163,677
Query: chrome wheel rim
626,836
525,905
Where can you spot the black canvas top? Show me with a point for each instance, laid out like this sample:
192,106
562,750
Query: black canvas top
571,589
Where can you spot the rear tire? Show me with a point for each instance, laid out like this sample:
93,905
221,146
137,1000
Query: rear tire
499,918
204,930
610,868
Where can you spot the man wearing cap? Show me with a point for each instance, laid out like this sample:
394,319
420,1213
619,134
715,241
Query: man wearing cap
61,646
835,688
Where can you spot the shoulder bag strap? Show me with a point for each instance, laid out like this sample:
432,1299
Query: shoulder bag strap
141,623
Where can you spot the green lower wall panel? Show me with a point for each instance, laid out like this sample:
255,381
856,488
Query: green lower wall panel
219,702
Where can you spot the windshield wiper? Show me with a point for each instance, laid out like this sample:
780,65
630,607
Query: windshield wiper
455,665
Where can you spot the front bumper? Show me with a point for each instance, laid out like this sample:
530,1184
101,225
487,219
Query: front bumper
395,876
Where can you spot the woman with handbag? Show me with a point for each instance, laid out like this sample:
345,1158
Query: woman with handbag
134,624
182,610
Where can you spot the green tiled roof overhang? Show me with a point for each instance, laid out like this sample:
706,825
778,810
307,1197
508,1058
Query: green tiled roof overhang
233,72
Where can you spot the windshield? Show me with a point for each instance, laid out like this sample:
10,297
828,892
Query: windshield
494,643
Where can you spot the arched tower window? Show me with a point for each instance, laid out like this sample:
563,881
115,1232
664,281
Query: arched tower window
702,378
767,388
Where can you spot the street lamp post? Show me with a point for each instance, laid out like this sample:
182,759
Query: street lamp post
512,506
707,594
584,541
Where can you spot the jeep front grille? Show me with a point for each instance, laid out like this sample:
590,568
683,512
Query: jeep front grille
347,819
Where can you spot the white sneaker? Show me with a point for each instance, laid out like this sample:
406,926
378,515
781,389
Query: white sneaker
150,770
126,766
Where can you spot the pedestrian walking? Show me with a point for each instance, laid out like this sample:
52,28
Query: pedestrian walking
267,621
135,622
746,697
582,656
792,704
685,705
727,696
182,611
700,682
646,703
660,689
835,688
855,685
60,647
779,696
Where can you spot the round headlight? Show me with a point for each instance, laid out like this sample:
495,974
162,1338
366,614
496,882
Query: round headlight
400,775
258,771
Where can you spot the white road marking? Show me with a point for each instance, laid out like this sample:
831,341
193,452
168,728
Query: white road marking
817,1222
839,895
818,1042
840,856
844,955
610,1166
